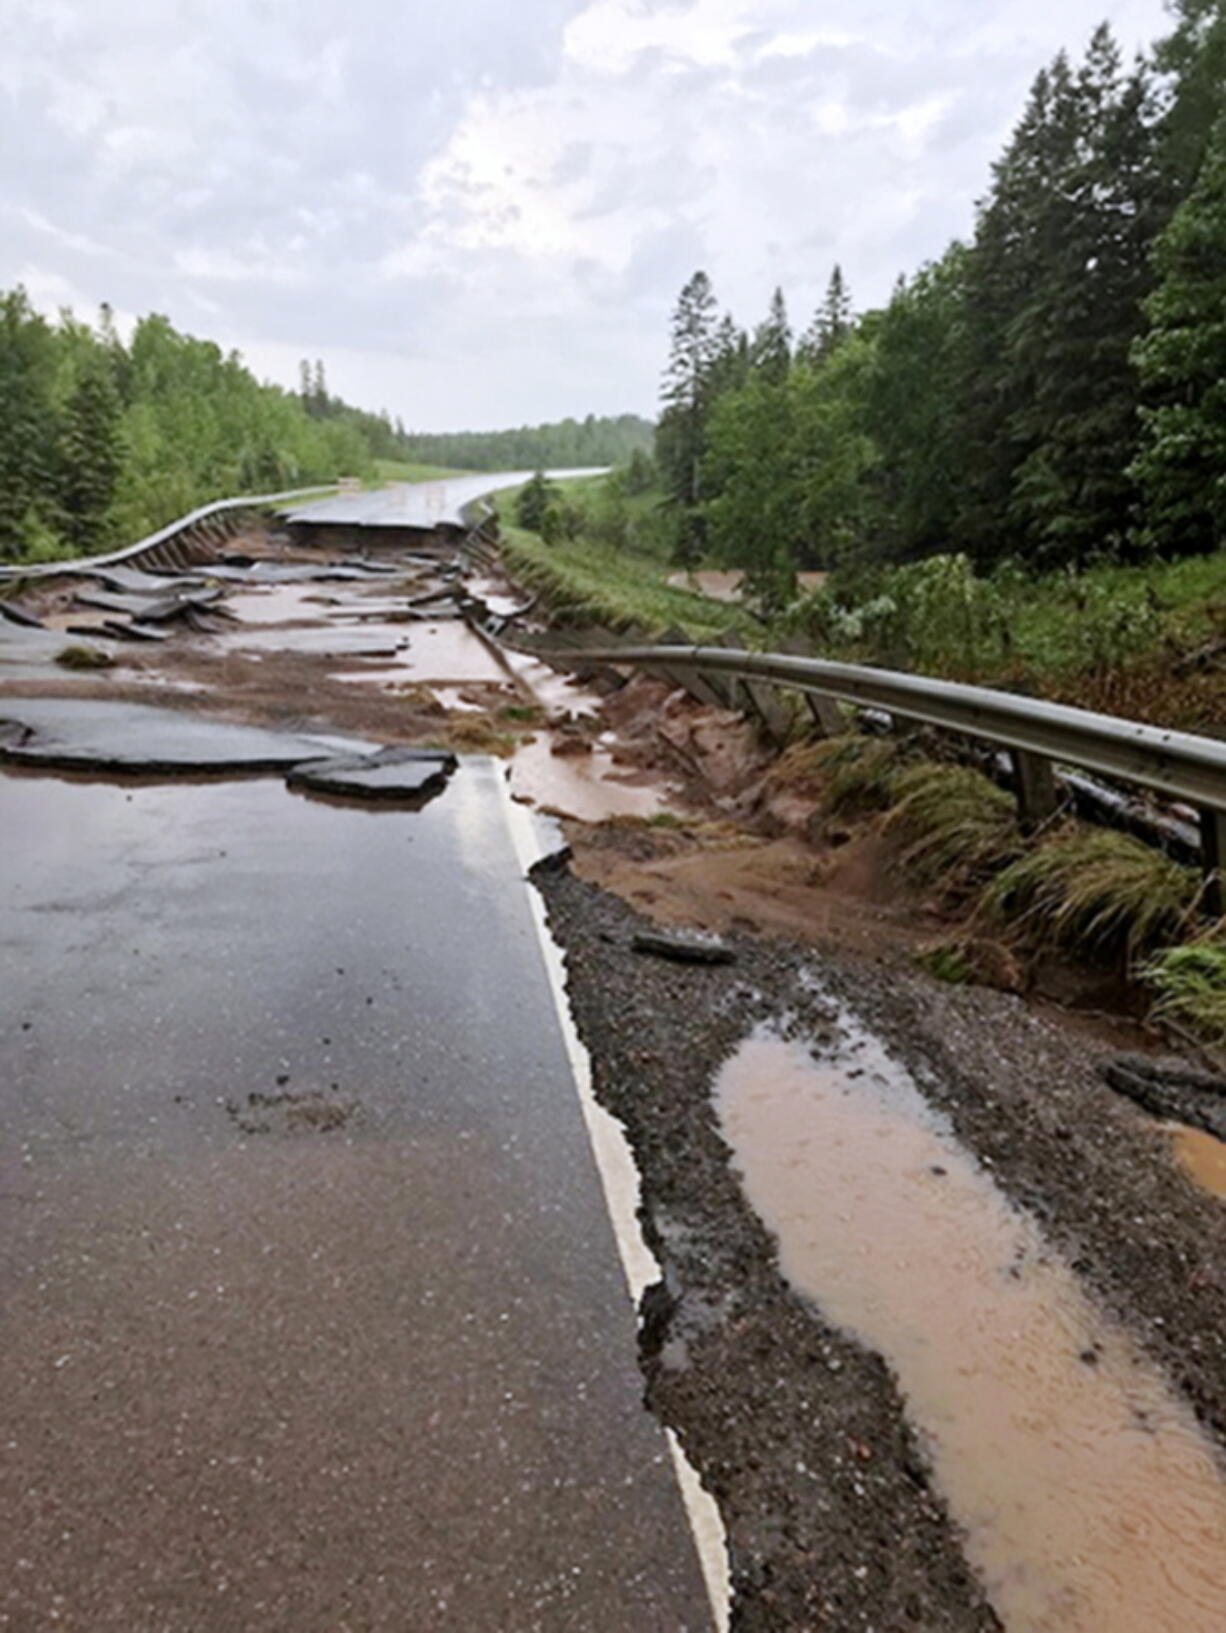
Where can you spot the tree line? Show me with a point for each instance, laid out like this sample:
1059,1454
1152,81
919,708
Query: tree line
1053,391
594,440
102,441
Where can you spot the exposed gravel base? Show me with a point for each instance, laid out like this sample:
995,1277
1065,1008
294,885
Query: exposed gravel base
797,1430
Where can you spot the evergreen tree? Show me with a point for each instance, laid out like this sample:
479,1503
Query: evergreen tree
771,353
1070,342
831,325
910,413
27,420
1194,55
1182,363
1006,262
533,501
681,433
89,456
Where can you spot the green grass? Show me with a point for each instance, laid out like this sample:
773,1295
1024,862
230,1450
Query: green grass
586,582
1189,985
1092,889
958,826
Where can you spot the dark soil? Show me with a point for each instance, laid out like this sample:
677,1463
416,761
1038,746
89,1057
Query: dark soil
797,1430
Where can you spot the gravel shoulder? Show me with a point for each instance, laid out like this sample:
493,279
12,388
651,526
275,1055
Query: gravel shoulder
833,1520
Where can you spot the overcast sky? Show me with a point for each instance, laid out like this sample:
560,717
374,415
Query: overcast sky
480,212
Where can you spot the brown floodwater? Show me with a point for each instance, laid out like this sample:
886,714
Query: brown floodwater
1203,1156
1090,1501
590,787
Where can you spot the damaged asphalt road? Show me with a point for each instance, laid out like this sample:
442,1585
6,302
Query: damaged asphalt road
315,1307
314,1316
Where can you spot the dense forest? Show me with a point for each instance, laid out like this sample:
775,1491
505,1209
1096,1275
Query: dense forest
1051,393
101,442
566,443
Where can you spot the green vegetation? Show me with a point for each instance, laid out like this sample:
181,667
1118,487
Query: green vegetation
1090,887
1050,394
602,557
958,827
76,656
101,442
1045,631
563,444
1189,984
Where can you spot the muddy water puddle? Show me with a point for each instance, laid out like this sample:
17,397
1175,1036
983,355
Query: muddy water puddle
446,651
281,604
590,787
1089,1499
1204,1158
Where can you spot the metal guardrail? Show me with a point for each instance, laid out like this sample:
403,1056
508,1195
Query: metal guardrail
164,536
1038,734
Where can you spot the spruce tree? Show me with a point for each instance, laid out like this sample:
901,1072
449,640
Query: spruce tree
1194,55
770,356
1075,422
90,455
1182,364
27,438
681,432
831,325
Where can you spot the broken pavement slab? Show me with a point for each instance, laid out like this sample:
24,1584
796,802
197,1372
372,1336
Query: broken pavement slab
79,734
388,774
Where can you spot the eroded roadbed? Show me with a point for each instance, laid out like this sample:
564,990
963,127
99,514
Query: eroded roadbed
313,1313
1043,1247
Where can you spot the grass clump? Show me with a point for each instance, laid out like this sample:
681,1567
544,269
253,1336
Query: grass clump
1189,985
849,775
959,827
76,656
1093,888
947,962
477,734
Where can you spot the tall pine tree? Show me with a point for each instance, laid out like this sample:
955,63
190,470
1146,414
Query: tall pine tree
831,325
1182,363
681,432
90,455
770,356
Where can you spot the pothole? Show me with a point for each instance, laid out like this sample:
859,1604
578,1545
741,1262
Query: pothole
1088,1497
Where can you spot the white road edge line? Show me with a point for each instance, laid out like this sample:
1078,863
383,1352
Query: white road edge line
620,1180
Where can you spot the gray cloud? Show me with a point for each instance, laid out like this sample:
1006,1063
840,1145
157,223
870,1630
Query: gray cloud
480,212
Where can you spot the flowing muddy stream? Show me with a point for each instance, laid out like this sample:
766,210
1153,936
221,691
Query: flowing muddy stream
1090,1501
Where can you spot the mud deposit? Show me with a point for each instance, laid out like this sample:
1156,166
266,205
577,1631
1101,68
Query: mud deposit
803,1416
1088,1497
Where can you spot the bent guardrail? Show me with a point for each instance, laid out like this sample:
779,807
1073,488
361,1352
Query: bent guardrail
163,541
1037,734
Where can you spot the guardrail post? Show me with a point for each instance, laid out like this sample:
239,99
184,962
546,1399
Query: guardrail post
827,715
1038,797
1213,859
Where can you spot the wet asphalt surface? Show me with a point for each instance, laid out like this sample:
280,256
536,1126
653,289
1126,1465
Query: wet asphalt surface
313,1316
419,504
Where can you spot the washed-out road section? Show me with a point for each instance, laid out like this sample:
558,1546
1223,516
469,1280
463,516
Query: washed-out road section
421,504
313,1311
